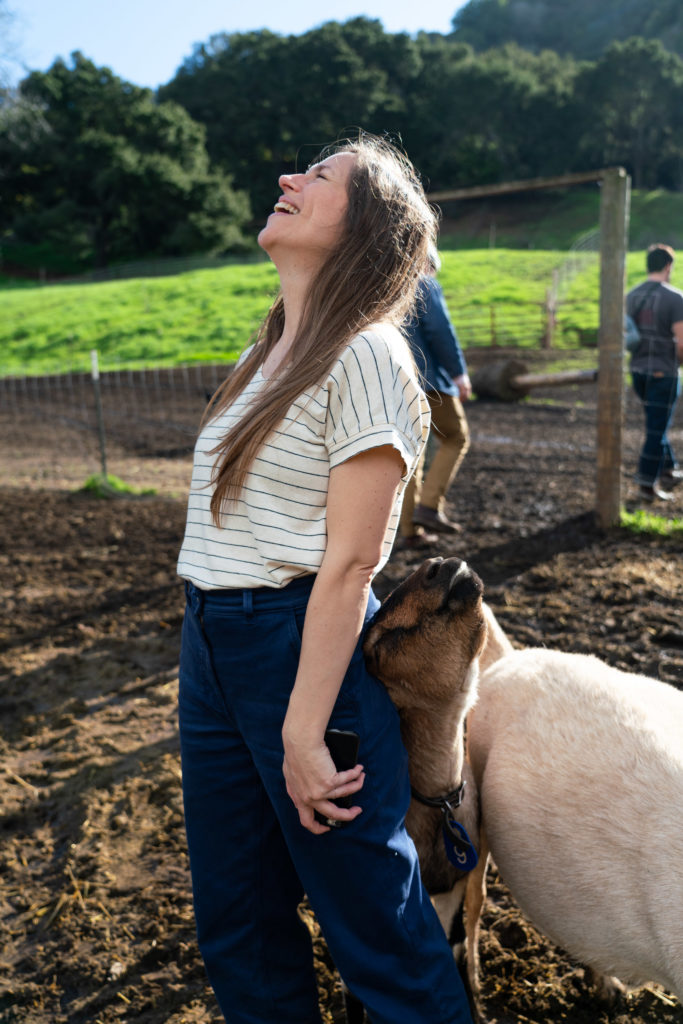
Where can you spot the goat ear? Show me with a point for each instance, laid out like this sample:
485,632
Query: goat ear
371,638
371,645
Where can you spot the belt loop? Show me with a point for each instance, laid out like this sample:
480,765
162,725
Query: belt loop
248,603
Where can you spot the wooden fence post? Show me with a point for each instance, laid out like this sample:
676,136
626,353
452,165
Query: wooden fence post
494,335
614,218
550,311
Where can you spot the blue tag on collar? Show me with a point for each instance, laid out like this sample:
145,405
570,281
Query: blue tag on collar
459,848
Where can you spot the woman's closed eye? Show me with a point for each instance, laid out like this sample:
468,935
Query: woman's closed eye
320,172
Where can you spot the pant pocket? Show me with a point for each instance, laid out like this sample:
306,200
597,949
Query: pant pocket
196,678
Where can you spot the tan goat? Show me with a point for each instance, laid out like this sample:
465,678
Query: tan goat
423,645
416,625
579,769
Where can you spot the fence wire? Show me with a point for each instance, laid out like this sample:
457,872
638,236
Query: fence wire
154,411
148,414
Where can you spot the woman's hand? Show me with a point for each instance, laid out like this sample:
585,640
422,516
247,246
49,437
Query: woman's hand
313,782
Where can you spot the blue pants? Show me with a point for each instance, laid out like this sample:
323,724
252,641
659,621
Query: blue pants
252,860
659,396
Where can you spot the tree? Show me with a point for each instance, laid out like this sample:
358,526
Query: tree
581,28
98,168
269,102
484,118
631,109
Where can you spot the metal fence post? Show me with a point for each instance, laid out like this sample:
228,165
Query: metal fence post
98,408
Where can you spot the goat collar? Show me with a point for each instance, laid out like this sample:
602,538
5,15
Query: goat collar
460,849
444,803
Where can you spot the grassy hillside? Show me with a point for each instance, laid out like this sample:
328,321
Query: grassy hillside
199,316
555,220
209,315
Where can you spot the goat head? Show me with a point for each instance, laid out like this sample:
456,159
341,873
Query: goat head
427,632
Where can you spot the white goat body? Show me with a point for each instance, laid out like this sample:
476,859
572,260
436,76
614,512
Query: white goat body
579,768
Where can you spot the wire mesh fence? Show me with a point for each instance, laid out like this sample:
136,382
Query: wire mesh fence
51,434
155,411
149,414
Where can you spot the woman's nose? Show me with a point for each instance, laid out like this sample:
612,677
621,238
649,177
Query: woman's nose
290,181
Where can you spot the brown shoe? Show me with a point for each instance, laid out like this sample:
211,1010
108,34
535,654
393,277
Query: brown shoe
415,541
432,519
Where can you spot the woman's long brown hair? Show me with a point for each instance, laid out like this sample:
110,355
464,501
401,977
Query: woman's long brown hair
370,277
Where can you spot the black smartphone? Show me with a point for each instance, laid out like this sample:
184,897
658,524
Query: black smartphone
343,747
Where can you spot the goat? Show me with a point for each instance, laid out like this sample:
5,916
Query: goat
578,766
417,622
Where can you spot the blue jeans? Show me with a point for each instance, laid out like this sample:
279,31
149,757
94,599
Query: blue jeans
659,396
252,860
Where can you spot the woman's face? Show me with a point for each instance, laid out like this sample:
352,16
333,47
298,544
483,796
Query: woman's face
308,217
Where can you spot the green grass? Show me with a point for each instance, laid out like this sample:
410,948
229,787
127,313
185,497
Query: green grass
112,487
556,219
641,522
209,315
479,278
531,220
200,316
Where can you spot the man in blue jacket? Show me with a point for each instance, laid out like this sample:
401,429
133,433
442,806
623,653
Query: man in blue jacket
441,363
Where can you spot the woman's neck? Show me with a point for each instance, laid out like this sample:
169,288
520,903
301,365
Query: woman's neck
294,286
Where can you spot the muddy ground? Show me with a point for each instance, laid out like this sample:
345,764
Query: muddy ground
96,914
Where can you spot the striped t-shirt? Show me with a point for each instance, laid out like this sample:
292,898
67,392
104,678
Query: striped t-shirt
276,529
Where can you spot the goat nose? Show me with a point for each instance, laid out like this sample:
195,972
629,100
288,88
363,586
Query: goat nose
433,567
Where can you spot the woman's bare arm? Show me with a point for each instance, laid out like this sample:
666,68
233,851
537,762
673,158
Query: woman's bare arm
360,500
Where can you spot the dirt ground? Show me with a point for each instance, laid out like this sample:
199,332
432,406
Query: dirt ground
96,913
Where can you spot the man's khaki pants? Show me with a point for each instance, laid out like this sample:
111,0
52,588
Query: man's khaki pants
450,431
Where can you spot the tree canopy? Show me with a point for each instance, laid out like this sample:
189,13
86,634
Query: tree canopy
269,102
106,170
582,28
99,169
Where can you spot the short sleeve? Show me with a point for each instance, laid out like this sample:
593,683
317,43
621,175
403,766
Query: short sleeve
677,308
374,399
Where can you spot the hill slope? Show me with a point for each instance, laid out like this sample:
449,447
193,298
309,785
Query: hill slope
496,254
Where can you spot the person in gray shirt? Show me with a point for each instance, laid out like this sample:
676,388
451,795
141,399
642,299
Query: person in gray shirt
657,309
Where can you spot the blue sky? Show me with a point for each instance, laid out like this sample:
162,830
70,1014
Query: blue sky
144,41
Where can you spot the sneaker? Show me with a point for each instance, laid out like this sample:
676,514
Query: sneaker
671,477
648,494
432,519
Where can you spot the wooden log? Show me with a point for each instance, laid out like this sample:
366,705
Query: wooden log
509,381
539,380
495,380
614,220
